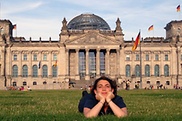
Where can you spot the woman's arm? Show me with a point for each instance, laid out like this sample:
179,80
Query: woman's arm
119,112
96,109
89,113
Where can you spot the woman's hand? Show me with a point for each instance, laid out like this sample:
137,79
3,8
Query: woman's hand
109,97
99,97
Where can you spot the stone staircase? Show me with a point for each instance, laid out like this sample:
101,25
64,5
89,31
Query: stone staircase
82,83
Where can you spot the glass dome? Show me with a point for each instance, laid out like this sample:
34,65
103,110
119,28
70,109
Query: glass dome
88,22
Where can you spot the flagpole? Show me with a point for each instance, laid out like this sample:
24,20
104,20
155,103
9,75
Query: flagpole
140,62
16,30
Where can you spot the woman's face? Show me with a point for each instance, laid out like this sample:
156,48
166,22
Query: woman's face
103,87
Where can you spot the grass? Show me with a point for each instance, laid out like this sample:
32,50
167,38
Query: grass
61,105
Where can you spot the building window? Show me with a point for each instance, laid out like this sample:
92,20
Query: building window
15,71
54,56
127,70
25,71
34,83
44,82
156,70
82,64
92,63
156,57
102,62
44,57
158,82
14,57
54,71
127,57
24,83
137,70
147,57
14,83
166,70
44,71
25,57
147,70
166,57
35,57
35,71
137,57
167,82
148,82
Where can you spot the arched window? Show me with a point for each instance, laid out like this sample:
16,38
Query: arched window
148,82
127,70
156,71
44,82
24,83
166,70
137,70
35,71
34,83
14,83
167,82
54,71
158,82
15,71
147,70
44,71
25,71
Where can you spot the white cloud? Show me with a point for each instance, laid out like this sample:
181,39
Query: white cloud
44,18
20,7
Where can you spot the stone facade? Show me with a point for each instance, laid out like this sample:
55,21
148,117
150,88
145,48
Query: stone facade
83,55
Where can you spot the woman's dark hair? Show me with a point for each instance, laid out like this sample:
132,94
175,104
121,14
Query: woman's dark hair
111,82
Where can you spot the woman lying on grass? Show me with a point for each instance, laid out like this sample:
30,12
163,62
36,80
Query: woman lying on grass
103,100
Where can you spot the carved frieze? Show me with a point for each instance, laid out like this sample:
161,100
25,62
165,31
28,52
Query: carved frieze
93,39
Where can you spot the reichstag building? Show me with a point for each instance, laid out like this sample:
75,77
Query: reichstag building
86,49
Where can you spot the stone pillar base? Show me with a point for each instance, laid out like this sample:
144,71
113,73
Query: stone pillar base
77,77
87,77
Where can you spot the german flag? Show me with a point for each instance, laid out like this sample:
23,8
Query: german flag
178,8
55,64
151,28
137,41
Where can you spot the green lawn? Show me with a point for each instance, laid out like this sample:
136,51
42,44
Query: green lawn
61,105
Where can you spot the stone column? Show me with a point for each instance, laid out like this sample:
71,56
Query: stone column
98,63
3,60
3,82
67,62
77,77
50,65
87,77
107,62
20,63
117,62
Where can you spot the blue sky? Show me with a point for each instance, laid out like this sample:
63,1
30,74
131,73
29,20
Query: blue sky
43,18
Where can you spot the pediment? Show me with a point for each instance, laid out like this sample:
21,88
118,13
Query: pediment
92,39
